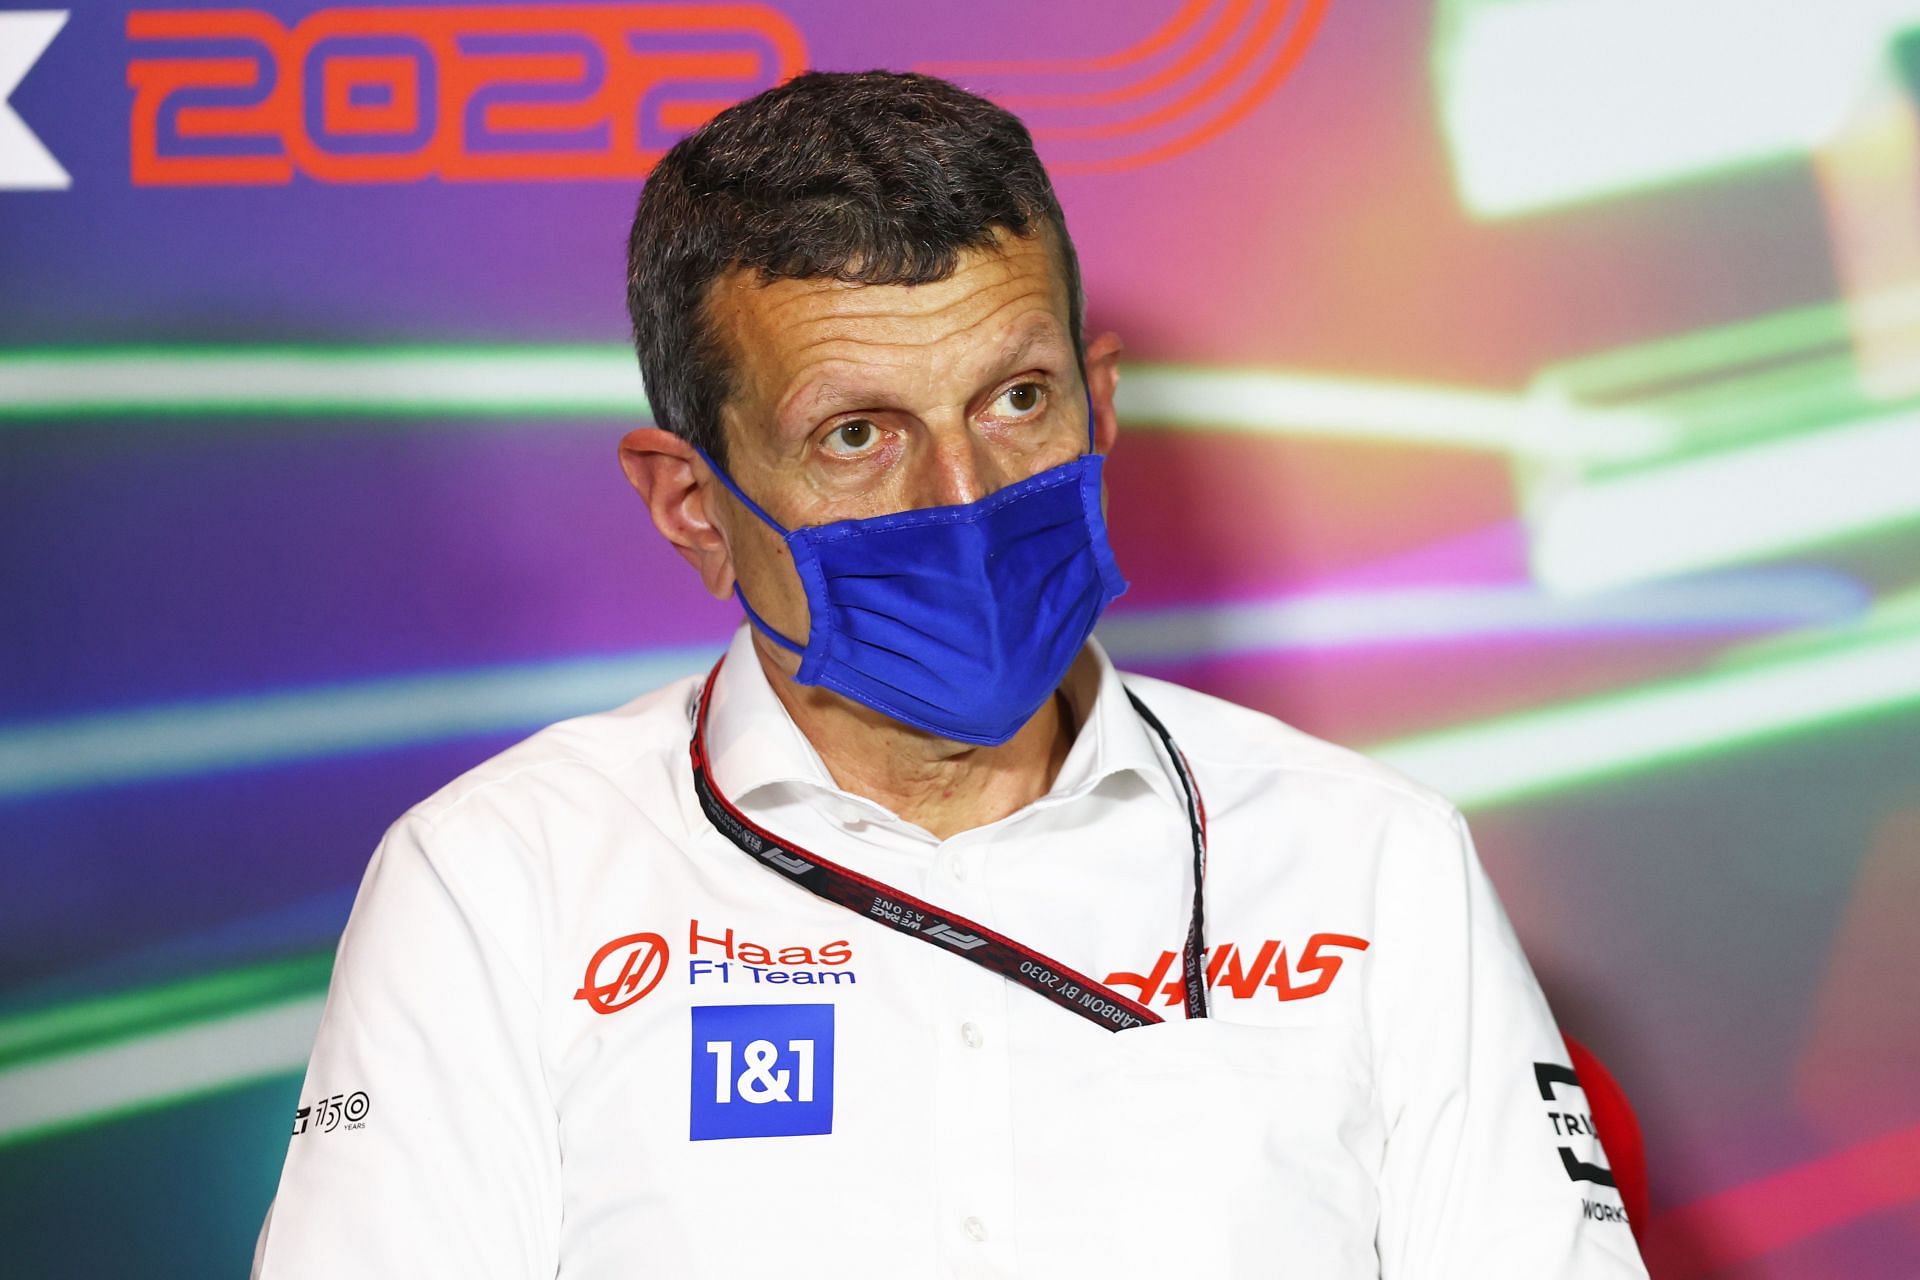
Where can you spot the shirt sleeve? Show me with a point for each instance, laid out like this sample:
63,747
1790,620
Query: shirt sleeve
1491,1169
425,1142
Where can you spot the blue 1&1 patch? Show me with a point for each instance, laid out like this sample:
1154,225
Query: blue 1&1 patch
761,1070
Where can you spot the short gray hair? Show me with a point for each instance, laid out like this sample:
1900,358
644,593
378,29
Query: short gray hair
870,177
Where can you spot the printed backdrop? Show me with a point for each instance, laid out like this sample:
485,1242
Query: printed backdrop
1526,392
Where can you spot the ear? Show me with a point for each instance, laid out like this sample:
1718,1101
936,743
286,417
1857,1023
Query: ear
676,483
1103,377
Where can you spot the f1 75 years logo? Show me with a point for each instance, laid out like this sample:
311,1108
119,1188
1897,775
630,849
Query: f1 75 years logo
623,971
328,1114
458,92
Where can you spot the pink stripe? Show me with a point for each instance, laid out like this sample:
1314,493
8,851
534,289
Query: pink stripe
1754,1219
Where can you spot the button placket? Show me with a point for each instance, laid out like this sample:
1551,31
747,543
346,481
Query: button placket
973,1103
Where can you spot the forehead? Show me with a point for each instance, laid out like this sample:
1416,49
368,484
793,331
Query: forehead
789,339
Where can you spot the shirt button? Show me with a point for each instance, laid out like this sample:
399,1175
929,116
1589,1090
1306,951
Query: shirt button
974,1039
957,869
976,1230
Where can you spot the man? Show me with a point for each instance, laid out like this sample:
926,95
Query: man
877,951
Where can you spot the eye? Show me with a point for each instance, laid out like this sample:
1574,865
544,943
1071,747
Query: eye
852,438
1025,398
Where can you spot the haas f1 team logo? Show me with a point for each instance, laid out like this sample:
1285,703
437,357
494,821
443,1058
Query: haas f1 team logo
623,971
455,92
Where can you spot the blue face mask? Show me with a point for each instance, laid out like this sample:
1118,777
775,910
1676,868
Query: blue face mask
960,620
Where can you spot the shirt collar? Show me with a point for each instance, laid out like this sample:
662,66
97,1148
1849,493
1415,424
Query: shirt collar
753,743
751,740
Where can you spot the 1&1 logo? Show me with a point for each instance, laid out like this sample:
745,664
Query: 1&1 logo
761,1071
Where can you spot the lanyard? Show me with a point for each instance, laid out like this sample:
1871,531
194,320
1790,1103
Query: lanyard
904,913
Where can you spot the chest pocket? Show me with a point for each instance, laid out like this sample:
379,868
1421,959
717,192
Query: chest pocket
1228,1150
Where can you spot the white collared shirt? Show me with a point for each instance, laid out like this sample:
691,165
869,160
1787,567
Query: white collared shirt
573,1031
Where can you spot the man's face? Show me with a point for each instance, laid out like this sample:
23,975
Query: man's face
861,400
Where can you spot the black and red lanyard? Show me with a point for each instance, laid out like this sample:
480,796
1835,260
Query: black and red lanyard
904,913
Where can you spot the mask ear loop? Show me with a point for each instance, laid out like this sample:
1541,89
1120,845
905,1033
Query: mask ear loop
1089,390
736,491
771,523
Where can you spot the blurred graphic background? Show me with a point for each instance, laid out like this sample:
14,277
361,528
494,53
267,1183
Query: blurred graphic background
1526,392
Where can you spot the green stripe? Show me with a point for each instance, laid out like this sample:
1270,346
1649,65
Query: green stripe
87,1024
600,382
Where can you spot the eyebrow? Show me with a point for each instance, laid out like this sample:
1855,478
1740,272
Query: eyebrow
833,392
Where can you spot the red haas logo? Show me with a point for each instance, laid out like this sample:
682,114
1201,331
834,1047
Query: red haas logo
642,959
1228,967
838,951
